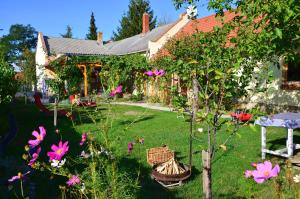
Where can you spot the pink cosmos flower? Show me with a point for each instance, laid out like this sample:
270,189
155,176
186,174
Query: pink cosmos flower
130,147
34,157
149,73
58,151
116,91
159,73
17,177
73,181
248,173
264,171
39,137
83,139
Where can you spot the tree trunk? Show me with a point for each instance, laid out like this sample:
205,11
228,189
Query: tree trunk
206,178
55,113
195,105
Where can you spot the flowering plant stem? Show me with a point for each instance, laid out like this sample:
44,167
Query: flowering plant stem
22,192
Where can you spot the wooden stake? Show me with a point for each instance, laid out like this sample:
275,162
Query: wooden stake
206,178
55,112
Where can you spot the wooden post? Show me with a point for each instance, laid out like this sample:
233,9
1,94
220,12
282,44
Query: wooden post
290,144
206,176
191,142
85,81
263,142
55,112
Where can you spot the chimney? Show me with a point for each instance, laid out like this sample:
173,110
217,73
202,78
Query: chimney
100,38
146,27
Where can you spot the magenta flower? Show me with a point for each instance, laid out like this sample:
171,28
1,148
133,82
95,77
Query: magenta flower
264,171
130,147
116,91
17,177
248,173
34,157
159,73
39,137
58,151
83,139
73,181
149,73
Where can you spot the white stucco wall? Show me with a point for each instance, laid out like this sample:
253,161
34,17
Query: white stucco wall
41,62
154,46
275,96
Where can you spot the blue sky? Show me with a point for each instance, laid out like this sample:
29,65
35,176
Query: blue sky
52,16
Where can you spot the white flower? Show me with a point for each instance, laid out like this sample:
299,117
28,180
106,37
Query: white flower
57,163
82,188
296,178
84,155
200,130
192,11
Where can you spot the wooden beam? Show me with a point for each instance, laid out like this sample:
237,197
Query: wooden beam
85,81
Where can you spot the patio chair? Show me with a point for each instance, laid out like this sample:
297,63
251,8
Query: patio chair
243,117
78,102
44,109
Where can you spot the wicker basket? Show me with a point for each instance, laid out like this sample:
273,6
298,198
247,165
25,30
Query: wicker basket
159,155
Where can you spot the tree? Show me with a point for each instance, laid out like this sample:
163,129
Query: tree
8,84
68,33
257,34
92,35
28,66
131,23
20,37
164,21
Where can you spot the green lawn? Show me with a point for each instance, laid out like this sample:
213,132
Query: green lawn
157,128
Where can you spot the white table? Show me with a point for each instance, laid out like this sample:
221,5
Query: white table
287,120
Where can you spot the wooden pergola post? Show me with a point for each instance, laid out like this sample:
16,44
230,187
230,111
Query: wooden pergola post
85,81
85,75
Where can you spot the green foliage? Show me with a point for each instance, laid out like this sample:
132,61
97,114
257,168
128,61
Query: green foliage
124,70
92,34
20,37
28,66
66,71
73,76
131,23
68,33
8,85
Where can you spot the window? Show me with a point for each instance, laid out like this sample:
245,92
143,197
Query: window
291,75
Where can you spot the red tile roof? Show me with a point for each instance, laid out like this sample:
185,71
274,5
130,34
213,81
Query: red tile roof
206,24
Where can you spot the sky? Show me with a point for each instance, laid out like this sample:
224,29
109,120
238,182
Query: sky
52,16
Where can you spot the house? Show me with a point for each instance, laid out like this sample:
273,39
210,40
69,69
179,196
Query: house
283,92
147,43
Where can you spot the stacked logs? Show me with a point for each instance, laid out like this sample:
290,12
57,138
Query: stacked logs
171,167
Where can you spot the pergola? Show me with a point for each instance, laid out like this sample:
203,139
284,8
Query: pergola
83,66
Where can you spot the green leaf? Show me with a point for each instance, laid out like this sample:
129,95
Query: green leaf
278,32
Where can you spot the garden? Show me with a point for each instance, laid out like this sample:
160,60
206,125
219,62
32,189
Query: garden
97,147
133,123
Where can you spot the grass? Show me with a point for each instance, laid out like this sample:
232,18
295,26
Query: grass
157,128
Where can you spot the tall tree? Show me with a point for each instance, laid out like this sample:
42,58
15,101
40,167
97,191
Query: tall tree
68,33
20,37
131,23
92,35
261,32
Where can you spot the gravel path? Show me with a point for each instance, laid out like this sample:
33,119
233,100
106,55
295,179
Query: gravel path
155,107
